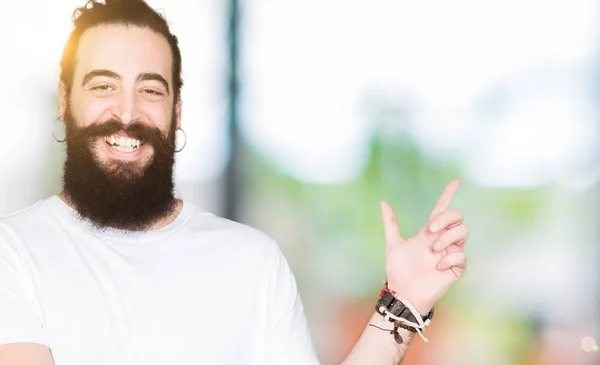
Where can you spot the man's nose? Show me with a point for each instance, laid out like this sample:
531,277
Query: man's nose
127,108
126,117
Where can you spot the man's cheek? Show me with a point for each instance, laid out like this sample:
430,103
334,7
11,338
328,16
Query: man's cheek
94,111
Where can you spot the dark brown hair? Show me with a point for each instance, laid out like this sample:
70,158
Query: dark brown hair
132,13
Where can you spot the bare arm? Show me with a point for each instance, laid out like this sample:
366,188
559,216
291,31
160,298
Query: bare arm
25,354
379,347
420,270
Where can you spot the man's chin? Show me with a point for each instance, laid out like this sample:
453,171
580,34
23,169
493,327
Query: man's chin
123,168
125,171
120,194
121,187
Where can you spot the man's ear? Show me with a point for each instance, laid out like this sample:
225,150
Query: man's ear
178,111
62,101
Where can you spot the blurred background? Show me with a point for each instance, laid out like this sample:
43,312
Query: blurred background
302,115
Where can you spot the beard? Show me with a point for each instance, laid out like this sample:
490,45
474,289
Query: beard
129,195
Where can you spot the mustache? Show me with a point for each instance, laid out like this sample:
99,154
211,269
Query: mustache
138,130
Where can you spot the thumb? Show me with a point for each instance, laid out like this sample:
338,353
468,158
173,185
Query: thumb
390,225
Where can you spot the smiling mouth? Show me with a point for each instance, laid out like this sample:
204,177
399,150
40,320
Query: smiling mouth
123,144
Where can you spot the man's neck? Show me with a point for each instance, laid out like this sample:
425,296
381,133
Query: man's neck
160,223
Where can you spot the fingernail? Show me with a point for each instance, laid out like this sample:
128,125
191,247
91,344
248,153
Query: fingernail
434,227
437,246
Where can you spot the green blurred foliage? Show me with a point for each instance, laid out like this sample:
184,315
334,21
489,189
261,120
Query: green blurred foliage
346,215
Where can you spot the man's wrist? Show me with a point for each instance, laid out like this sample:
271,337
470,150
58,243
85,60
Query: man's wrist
397,307
379,323
423,307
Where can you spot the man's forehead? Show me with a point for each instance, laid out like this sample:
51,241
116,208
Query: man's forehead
125,50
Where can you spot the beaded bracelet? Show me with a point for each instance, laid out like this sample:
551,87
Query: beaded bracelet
408,328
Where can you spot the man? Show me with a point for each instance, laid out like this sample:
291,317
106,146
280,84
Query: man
115,270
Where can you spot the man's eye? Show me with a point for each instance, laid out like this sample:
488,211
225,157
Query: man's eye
152,92
102,88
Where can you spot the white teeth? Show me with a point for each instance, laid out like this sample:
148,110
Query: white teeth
123,144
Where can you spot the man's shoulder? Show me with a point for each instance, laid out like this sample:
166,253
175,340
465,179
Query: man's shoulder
230,232
30,215
22,221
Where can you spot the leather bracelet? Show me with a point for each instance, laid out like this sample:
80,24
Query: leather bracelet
399,311
394,306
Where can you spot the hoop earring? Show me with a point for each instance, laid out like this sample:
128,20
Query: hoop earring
184,140
53,135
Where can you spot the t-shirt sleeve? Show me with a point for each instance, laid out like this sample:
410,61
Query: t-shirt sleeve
19,316
288,337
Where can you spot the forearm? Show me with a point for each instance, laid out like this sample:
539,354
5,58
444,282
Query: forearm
377,346
420,269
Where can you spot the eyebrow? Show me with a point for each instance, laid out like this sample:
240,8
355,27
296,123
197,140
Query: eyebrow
146,76
96,73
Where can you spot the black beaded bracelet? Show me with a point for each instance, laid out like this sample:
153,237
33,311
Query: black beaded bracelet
402,325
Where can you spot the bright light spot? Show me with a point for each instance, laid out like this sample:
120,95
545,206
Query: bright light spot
305,87
588,344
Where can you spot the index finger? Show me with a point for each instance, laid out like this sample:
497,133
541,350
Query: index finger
446,198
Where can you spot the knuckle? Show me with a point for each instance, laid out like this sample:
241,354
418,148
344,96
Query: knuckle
455,234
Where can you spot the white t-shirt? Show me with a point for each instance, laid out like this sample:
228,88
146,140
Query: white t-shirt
203,290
